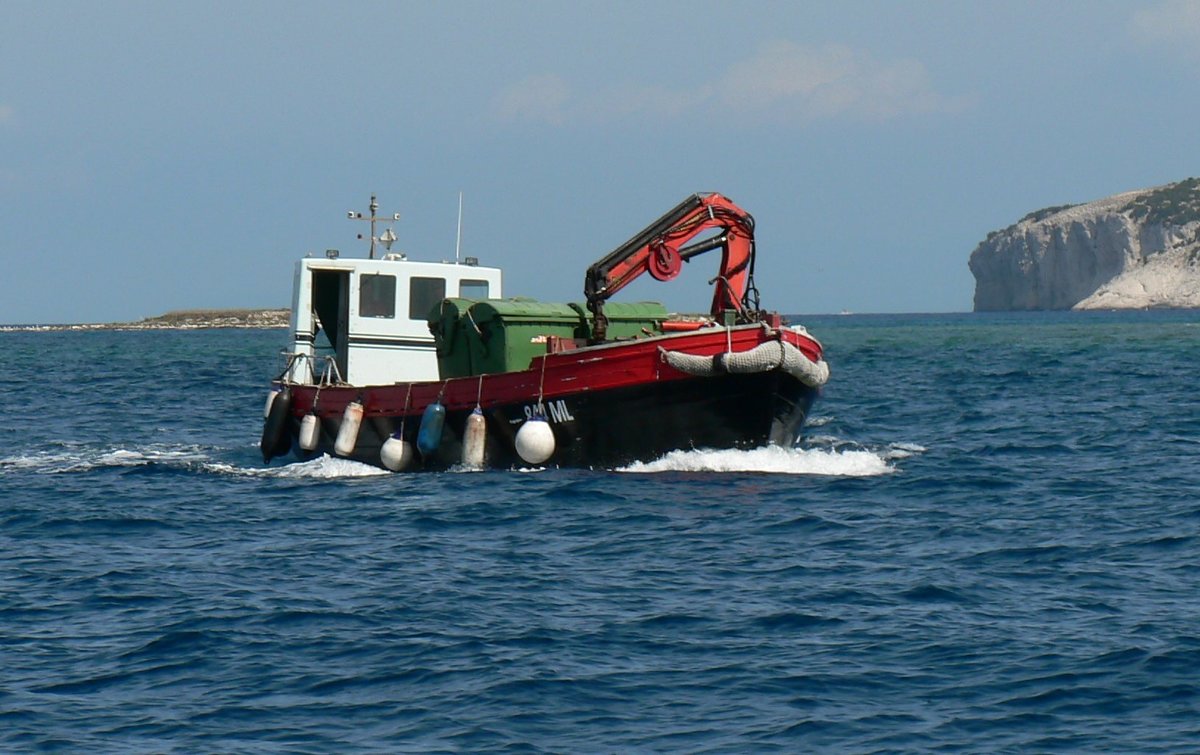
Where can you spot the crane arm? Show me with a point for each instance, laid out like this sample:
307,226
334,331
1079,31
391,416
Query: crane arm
658,250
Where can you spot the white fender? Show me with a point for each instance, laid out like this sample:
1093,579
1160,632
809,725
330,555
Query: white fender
474,439
347,435
310,432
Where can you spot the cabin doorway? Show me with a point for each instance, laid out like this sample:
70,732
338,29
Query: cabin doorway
331,304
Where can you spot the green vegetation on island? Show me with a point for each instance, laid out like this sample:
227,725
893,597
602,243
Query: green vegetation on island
1045,212
1176,204
184,319
1032,217
218,318
1173,204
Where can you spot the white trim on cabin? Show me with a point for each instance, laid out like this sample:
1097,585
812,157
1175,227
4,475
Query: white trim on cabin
388,345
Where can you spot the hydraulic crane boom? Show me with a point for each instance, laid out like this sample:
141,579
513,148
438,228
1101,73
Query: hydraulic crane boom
658,249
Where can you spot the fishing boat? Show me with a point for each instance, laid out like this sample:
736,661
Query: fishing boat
412,365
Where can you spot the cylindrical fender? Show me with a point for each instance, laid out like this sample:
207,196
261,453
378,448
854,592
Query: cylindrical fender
310,432
429,436
474,439
347,435
271,396
275,440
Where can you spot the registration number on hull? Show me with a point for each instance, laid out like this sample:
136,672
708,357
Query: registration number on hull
555,411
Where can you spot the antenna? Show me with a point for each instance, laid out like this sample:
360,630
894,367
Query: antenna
458,239
389,236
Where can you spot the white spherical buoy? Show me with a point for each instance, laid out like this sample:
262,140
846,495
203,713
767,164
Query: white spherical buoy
310,432
535,440
396,453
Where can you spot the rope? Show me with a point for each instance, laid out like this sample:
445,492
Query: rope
479,393
473,323
331,374
287,367
332,362
541,385
404,414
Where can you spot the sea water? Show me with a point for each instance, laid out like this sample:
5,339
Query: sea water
989,540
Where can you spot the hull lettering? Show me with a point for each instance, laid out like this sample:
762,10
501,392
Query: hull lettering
555,411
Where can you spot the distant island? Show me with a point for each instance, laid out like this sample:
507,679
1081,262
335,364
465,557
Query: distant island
1135,250
184,319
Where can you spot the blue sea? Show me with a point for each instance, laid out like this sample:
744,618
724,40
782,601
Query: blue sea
989,541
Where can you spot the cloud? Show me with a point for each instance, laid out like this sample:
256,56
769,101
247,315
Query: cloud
1173,24
638,101
536,98
781,80
828,81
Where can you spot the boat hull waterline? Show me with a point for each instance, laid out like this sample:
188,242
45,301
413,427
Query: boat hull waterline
607,406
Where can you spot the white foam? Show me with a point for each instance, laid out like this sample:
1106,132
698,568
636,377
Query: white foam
903,450
36,461
123,457
323,467
84,459
773,460
824,455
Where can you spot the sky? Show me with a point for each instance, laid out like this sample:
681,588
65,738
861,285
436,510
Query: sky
161,156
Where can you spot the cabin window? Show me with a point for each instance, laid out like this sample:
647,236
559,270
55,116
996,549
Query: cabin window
377,296
423,294
473,289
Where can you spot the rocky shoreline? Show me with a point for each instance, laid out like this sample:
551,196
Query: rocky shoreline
1135,250
188,319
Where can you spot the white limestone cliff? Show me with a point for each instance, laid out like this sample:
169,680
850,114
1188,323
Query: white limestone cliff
1135,250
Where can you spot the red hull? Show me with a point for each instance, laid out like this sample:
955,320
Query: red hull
588,394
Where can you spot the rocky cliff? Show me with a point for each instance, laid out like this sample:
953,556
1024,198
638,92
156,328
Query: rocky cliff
1130,251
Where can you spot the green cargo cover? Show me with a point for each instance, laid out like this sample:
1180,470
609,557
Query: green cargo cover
480,337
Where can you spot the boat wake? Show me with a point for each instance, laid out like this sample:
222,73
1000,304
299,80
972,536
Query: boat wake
321,468
70,459
73,459
819,457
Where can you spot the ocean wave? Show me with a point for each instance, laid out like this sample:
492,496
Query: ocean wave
828,462
323,467
74,460
821,456
80,459
166,589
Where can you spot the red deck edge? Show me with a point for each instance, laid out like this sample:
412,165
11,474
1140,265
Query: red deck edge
556,375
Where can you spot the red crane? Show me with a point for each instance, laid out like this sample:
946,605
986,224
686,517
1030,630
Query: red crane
658,249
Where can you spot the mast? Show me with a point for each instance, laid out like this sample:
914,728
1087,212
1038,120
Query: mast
388,237
458,238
